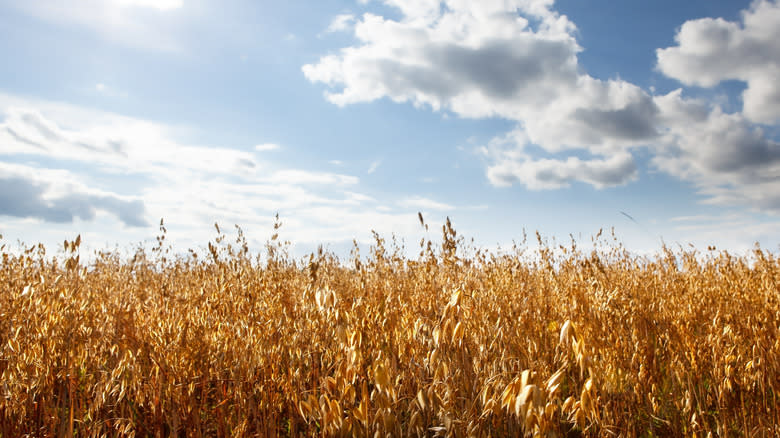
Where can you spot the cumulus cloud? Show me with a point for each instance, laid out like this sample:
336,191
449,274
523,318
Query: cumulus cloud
483,59
712,50
56,196
445,57
729,159
518,60
554,174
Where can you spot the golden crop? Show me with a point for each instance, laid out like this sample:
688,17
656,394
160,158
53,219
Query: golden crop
457,342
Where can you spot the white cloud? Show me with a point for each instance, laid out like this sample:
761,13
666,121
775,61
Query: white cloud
744,230
58,196
554,174
482,59
730,160
374,166
340,23
114,142
266,147
425,204
101,165
710,51
518,60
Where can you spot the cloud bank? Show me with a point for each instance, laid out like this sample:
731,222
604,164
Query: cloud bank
713,50
517,60
57,196
61,163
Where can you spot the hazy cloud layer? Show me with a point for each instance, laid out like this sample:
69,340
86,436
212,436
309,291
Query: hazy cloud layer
424,204
136,23
743,231
119,143
517,60
190,186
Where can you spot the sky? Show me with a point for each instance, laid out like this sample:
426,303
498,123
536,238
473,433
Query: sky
658,119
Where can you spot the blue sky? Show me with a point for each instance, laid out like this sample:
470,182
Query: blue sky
351,116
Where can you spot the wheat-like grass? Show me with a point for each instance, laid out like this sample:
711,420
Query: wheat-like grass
458,342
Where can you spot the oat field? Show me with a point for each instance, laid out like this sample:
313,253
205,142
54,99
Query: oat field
456,341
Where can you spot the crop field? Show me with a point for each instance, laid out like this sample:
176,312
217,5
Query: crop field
557,340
